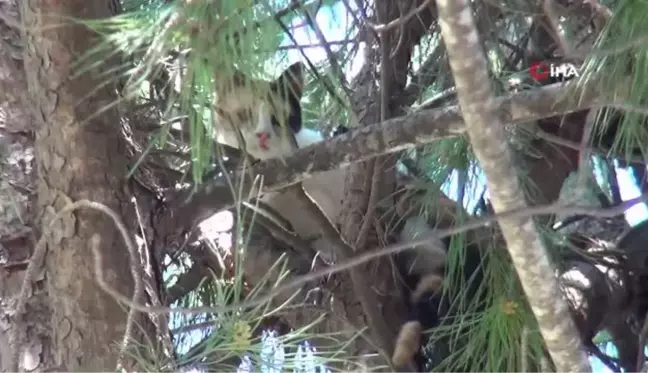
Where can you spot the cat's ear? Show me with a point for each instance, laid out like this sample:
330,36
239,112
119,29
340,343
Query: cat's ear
293,79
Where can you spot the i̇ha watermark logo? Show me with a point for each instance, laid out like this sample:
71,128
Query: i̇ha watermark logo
542,71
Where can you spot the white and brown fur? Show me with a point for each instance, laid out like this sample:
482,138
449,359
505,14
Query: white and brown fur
250,108
254,107
267,114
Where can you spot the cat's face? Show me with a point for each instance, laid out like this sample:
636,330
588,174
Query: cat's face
265,112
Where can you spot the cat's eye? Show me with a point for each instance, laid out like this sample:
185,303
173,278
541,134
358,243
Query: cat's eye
240,115
243,115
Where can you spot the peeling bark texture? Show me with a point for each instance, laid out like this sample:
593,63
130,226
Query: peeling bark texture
16,184
16,143
78,156
12,75
369,141
486,132
16,189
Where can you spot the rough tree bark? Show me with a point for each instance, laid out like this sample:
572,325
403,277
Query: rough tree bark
72,324
16,178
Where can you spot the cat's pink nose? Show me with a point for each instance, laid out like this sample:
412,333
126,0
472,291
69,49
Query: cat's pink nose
263,139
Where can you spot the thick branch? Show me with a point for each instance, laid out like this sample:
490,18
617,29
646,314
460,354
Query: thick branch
485,128
368,142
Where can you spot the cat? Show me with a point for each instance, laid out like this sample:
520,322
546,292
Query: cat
268,115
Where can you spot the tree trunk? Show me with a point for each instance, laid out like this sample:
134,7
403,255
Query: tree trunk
73,324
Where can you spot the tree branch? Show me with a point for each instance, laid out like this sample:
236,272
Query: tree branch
485,129
365,143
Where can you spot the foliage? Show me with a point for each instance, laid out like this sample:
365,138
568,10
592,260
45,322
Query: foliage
620,53
179,53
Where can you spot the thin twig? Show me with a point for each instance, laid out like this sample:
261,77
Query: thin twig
539,133
333,61
317,45
398,21
327,84
607,360
161,324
